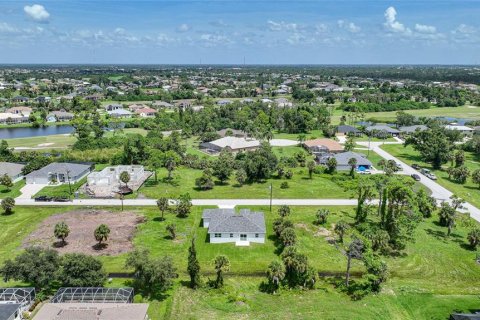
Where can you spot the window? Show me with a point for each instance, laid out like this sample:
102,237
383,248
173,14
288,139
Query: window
256,235
231,235
218,235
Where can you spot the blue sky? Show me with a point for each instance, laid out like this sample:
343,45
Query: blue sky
226,32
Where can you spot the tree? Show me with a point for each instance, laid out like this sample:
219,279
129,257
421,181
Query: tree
61,231
241,177
434,145
280,224
172,229
288,237
459,158
223,166
340,229
6,181
35,266
193,267
476,177
311,168
222,265
151,275
460,174
474,237
260,164
80,270
354,251
163,206
365,193
101,233
184,204
125,177
284,211
275,275
205,182
8,204
426,204
349,144
331,165
321,216
447,215
389,167
352,162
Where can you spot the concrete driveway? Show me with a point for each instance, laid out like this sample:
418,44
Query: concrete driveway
29,190
283,143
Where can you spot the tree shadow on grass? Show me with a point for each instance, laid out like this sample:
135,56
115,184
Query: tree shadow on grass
158,219
59,244
467,246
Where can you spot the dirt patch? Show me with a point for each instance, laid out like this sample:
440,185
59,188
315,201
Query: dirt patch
82,224
322,232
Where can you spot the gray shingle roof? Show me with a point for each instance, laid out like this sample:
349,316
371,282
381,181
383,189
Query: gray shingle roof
60,167
382,127
8,309
342,159
410,129
226,220
10,169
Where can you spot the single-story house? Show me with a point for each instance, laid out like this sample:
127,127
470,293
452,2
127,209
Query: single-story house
345,130
120,113
9,118
412,129
466,131
112,107
24,111
20,99
283,102
342,161
231,133
183,103
224,102
60,116
233,144
60,172
13,170
323,146
382,129
146,112
134,107
93,311
162,104
15,301
225,225
43,99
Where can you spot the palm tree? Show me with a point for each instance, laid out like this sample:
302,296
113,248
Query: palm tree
275,274
352,162
172,228
101,233
125,177
162,205
222,265
340,229
61,231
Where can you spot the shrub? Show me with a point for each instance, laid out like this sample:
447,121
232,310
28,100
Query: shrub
284,185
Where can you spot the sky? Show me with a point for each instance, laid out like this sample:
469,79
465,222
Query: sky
234,32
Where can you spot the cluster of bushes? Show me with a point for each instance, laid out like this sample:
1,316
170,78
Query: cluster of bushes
379,107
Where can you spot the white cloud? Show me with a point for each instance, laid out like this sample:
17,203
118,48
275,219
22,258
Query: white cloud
218,23
425,29
212,40
37,13
349,26
281,26
321,28
392,24
183,27
6,28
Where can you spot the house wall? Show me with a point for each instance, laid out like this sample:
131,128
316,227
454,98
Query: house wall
236,237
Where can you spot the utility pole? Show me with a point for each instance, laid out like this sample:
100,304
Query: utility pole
69,184
271,196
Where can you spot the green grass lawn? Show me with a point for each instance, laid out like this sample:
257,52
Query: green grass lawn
468,191
463,112
300,186
433,277
13,192
53,141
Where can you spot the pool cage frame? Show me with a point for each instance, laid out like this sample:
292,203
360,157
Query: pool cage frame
23,296
93,295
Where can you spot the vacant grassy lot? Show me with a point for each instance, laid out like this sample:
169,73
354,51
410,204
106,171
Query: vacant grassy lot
464,112
468,191
433,277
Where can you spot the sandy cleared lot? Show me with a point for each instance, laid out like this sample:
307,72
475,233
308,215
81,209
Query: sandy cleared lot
82,224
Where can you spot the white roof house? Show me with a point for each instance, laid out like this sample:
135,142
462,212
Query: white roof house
120,113
231,143
464,129
226,225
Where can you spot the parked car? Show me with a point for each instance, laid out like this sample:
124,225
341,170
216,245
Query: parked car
43,199
364,171
415,177
416,166
61,199
427,173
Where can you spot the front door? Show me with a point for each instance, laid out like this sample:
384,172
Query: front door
243,237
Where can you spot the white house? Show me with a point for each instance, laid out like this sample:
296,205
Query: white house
466,131
225,226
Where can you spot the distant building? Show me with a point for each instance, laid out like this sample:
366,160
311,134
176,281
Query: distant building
323,146
231,133
59,172
466,131
119,113
345,130
24,111
61,115
15,301
13,170
233,144
146,112
162,104
224,102
412,129
380,130
12,118
225,225
114,106
343,158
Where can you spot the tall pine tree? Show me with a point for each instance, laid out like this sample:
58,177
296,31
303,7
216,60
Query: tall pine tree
193,266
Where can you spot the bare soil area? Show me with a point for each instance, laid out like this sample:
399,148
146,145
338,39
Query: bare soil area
82,224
